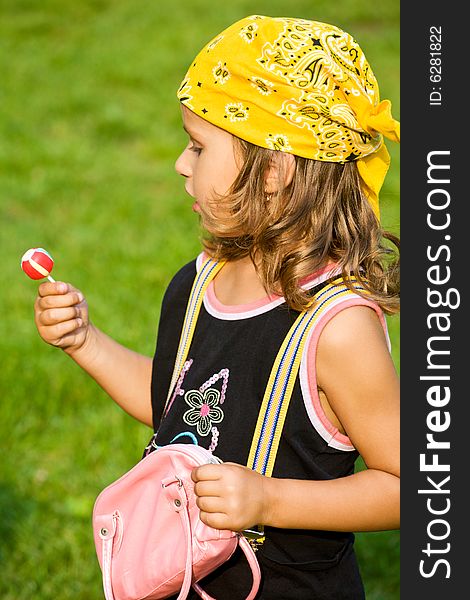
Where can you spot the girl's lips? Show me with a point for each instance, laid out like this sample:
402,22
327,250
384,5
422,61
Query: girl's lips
196,207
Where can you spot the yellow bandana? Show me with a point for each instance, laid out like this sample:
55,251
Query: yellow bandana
296,86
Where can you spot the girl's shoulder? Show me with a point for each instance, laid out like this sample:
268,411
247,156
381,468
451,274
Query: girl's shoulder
177,292
348,314
182,279
345,321
354,321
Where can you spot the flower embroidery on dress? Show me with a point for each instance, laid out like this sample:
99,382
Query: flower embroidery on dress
204,411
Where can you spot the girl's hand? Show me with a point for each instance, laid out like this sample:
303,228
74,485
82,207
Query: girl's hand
230,496
61,316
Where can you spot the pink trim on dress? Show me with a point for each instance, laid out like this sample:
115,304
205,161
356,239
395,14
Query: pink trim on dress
237,308
259,306
332,432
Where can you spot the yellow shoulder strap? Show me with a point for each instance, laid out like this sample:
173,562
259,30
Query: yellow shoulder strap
208,271
272,414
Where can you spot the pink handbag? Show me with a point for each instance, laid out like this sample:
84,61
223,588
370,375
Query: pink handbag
149,539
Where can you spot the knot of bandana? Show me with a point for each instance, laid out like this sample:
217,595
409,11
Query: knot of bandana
296,86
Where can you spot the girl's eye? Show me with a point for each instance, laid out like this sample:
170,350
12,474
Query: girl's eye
195,149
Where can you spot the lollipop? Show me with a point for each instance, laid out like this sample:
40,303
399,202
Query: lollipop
37,264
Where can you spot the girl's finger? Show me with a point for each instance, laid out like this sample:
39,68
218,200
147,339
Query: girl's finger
206,473
57,332
215,520
206,488
53,316
49,288
210,505
70,338
58,301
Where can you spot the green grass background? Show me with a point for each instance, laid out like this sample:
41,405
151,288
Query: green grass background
89,132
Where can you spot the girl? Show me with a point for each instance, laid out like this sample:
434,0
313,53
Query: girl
284,163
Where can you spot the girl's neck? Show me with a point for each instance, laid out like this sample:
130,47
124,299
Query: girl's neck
238,283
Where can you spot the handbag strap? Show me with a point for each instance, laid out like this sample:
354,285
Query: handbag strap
107,535
176,494
206,274
278,392
178,499
255,570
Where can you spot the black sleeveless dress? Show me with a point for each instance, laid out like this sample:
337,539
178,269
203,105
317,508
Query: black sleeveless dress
216,404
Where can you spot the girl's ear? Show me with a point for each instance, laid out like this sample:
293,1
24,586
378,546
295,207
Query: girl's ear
280,172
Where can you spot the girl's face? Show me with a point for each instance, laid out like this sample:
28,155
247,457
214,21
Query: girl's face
208,162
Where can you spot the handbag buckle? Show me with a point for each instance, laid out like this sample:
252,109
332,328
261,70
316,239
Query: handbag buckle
170,480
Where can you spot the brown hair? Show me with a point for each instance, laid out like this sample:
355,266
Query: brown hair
321,216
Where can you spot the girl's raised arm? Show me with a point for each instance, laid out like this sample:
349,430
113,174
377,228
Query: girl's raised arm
61,316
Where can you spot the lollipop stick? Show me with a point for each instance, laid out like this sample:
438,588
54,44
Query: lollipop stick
51,279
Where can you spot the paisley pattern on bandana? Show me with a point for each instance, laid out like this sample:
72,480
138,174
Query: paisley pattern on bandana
184,94
278,141
221,75
263,86
248,33
296,86
301,50
236,112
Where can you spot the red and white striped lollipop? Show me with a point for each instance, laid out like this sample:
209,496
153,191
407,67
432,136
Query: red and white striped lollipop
37,263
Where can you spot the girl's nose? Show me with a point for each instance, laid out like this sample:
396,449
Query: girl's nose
182,166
